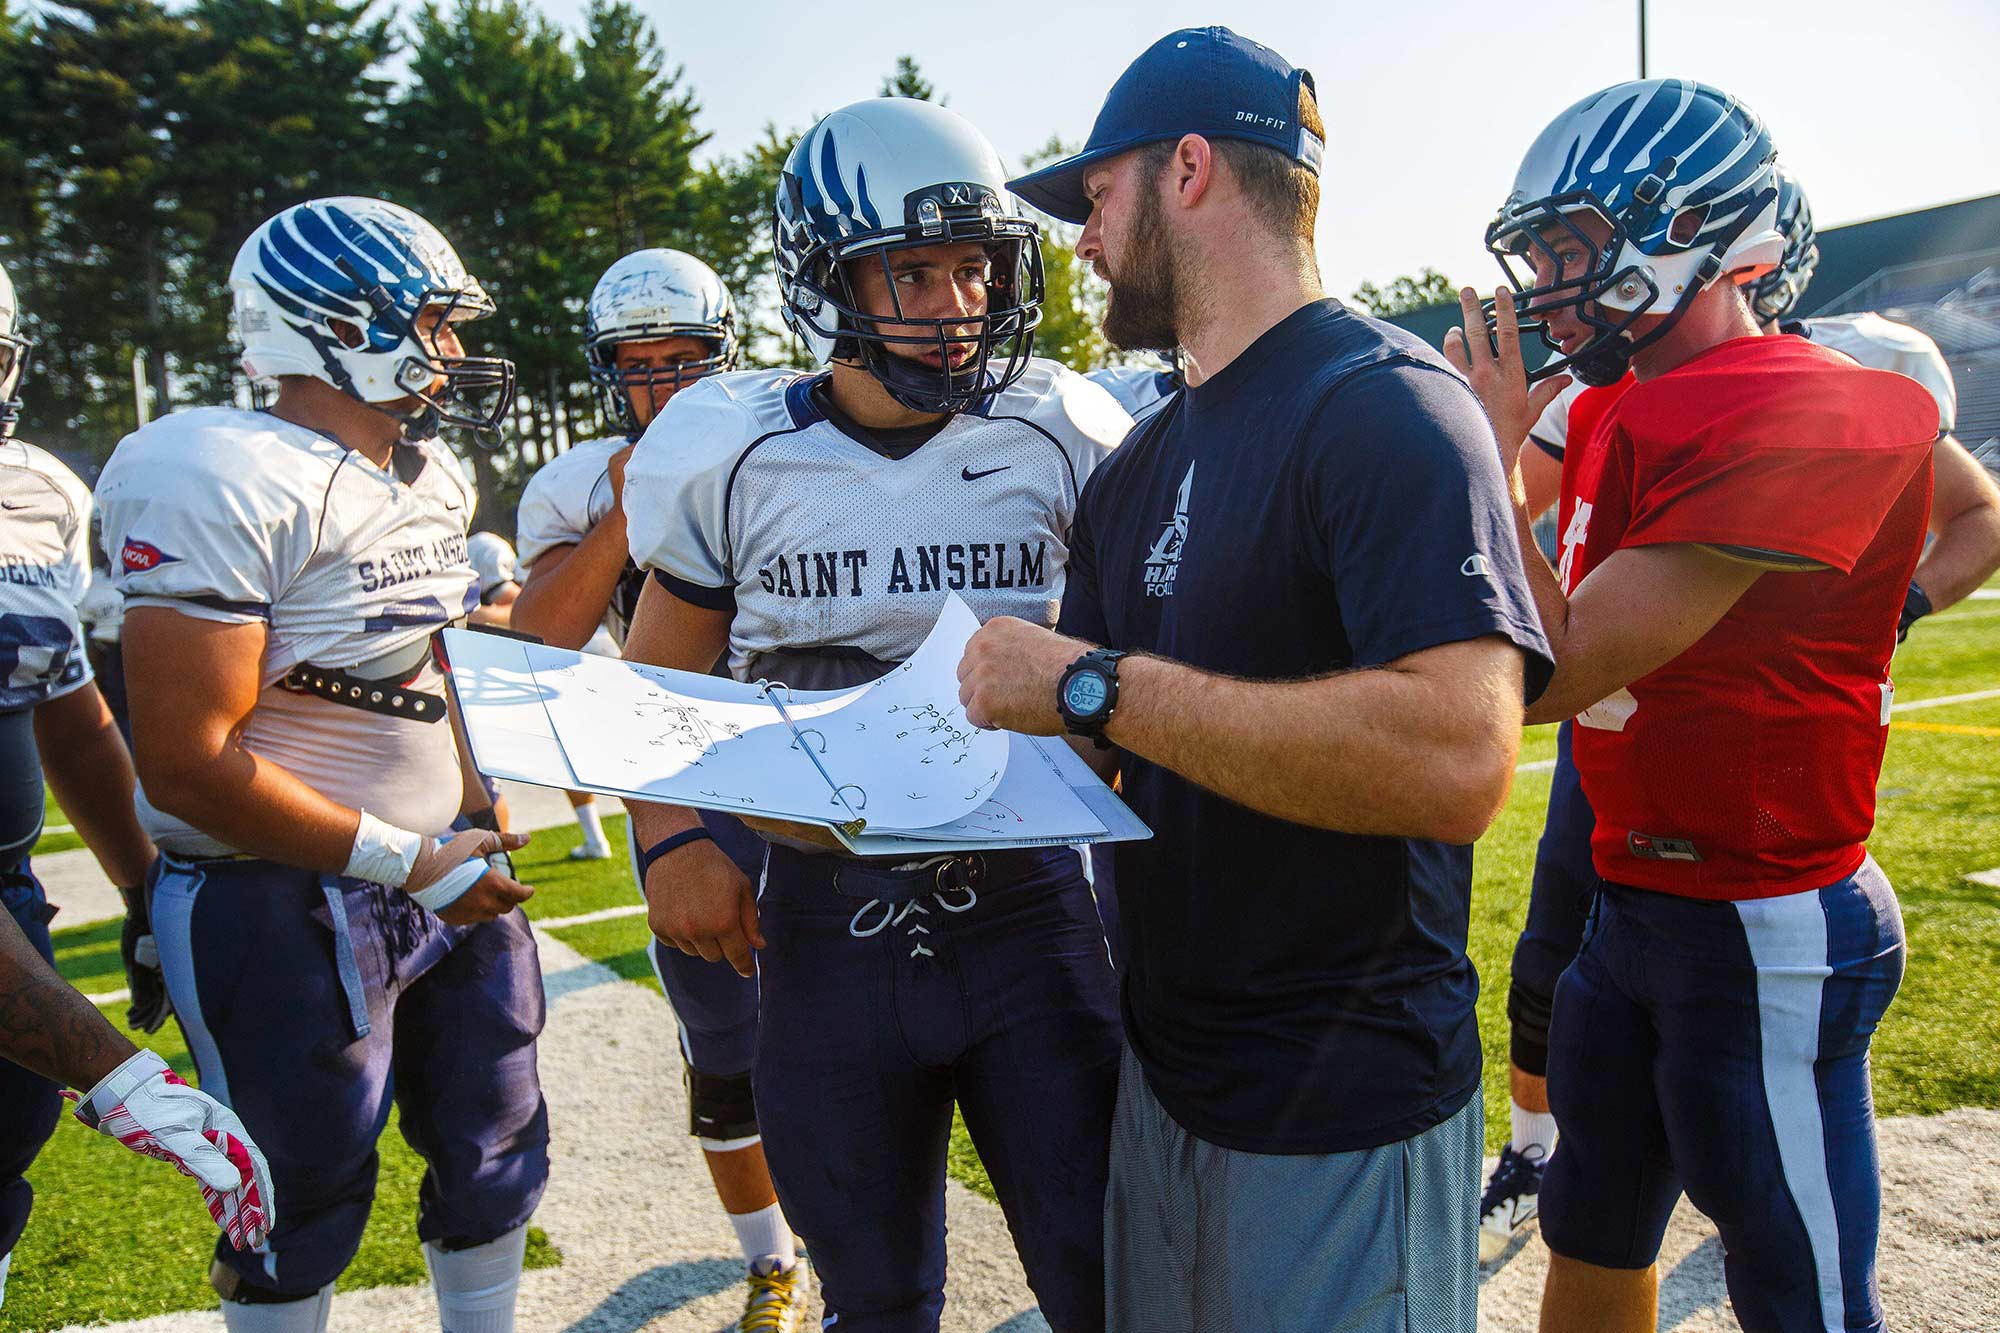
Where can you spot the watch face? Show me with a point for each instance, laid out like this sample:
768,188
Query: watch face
1085,693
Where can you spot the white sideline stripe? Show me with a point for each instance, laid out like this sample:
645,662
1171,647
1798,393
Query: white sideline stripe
51,830
1942,700
110,997
585,918
1985,594
1987,879
1536,766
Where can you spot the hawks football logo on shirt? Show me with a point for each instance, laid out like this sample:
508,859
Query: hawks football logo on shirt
1163,562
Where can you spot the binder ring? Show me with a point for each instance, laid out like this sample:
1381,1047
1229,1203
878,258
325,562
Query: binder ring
838,799
798,737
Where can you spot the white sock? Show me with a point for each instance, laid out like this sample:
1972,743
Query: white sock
766,1239
1534,1134
300,1316
593,828
6,1262
476,1287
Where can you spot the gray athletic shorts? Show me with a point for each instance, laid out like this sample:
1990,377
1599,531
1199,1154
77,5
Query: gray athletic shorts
1201,1239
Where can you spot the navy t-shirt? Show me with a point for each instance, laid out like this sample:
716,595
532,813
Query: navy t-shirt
1331,499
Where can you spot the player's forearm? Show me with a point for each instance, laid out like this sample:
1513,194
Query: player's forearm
253,805
1964,556
564,598
652,823
45,1025
88,769
1382,751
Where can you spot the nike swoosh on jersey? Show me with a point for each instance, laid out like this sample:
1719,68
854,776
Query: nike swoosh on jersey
970,475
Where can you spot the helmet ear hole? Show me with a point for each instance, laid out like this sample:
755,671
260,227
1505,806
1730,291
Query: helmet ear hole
1687,225
350,337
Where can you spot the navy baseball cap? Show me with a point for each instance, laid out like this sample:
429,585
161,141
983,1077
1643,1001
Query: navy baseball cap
1206,81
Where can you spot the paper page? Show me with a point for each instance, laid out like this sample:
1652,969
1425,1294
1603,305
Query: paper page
672,736
903,749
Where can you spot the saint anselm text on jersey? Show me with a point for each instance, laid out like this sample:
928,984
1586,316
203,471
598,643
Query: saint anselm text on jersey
411,562
913,569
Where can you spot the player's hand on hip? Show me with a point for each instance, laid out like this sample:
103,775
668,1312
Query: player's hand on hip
697,901
145,1106
140,953
1496,371
1007,679
443,866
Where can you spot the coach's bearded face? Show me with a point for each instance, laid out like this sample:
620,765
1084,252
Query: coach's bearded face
1144,311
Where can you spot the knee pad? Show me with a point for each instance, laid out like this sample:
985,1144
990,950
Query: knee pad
721,1109
250,1309
1528,1010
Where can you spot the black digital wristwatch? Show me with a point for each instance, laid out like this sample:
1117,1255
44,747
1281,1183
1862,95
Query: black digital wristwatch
1088,692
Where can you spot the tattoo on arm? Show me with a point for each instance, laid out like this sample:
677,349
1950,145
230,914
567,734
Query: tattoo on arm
47,1026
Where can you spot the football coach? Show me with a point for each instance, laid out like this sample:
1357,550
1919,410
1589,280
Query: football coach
1297,622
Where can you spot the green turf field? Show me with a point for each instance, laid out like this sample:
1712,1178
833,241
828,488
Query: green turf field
114,1237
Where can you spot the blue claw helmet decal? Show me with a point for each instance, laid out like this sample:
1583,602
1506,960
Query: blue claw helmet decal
353,292
1775,295
648,295
1681,176
891,174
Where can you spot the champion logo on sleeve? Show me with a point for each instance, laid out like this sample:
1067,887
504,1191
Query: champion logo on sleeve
137,557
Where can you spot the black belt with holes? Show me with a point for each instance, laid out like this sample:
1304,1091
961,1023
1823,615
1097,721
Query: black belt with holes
386,696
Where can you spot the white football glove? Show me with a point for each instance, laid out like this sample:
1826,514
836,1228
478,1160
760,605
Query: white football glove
145,1106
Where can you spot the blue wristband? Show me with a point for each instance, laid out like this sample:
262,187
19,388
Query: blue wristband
665,845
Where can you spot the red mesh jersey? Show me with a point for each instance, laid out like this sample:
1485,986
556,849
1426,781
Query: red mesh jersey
1746,767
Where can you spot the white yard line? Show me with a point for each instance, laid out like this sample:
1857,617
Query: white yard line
1942,700
586,918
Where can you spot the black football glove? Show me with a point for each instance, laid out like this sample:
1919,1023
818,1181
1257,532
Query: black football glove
1916,605
150,1005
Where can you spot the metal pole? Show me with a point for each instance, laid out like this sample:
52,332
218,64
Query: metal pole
139,386
1642,38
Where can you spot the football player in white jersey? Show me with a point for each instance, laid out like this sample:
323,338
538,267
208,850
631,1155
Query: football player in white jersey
1140,388
326,939
54,726
1965,522
813,524
657,322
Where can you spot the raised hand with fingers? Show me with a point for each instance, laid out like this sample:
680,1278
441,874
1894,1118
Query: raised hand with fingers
1491,362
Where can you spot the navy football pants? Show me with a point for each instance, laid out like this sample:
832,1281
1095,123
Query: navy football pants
1722,1048
877,1017
30,1105
309,1001
1559,899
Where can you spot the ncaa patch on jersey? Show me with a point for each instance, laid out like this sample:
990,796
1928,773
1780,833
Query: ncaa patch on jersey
137,557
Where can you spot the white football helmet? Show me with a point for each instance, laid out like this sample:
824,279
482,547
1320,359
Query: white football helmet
1683,176
14,351
493,561
655,294
894,173
334,289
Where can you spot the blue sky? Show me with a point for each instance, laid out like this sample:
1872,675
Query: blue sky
1878,107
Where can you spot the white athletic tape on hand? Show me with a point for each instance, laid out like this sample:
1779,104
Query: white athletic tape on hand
451,886
383,853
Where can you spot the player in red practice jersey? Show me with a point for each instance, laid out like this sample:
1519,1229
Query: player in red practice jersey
1738,533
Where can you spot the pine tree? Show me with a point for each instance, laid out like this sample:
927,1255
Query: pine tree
640,131
284,103
909,81
104,106
492,140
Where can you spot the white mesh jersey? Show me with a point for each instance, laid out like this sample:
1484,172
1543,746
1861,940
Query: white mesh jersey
1139,389
1883,344
240,517
567,497
44,574
1551,428
742,494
